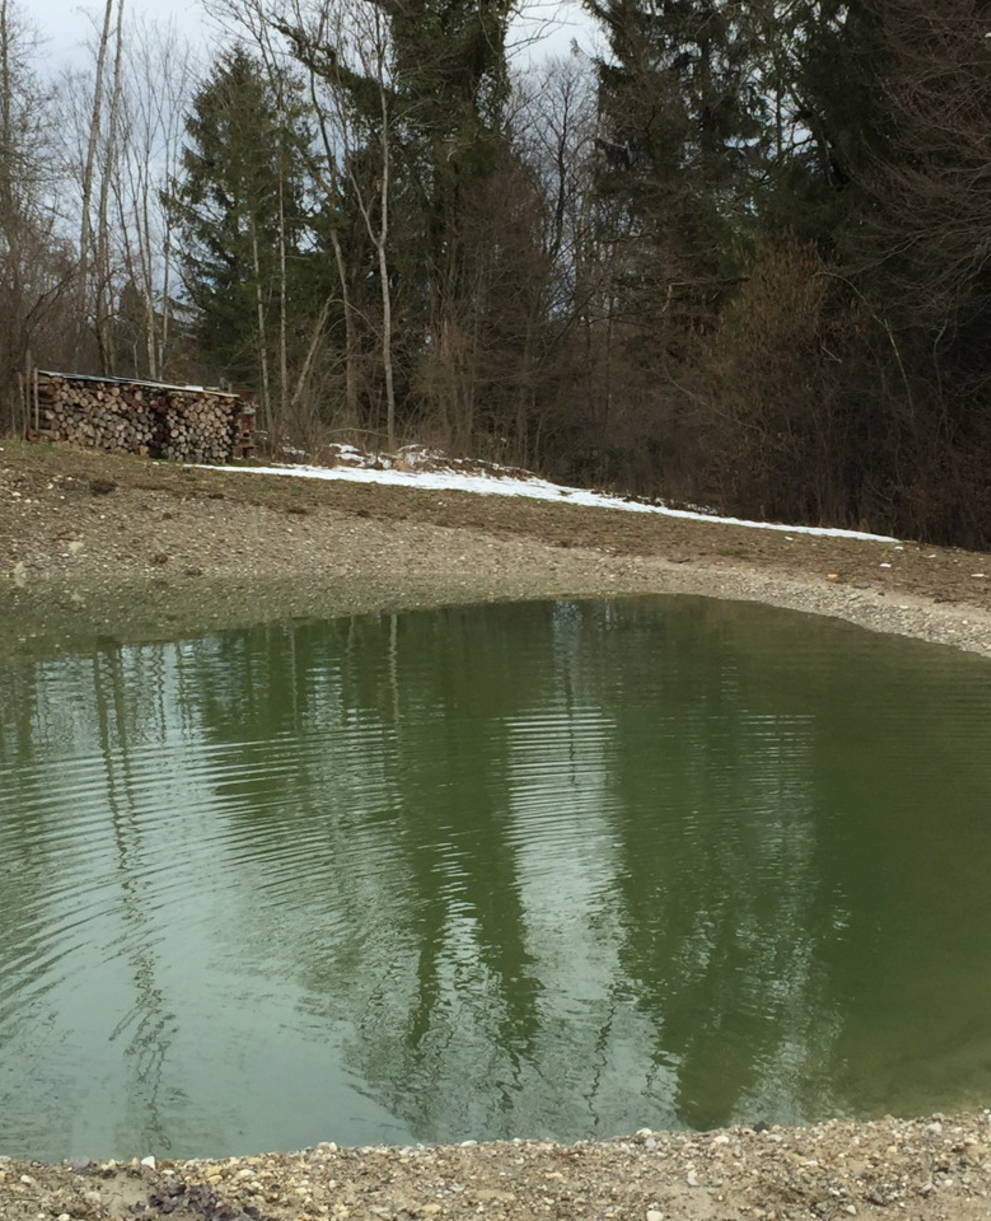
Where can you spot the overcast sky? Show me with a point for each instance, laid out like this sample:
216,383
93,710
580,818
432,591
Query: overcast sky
65,24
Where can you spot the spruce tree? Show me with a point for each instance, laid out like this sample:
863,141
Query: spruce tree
241,197
682,135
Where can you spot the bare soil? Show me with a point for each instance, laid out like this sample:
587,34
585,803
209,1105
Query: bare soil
96,548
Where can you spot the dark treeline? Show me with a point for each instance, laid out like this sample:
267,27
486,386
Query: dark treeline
740,258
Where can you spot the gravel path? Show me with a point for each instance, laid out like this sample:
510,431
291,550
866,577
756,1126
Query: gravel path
95,548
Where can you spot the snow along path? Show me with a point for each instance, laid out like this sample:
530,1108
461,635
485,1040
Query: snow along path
533,489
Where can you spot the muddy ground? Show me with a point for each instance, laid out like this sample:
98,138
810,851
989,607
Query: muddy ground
96,549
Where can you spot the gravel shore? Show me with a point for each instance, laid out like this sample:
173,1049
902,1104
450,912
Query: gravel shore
96,549
935,1169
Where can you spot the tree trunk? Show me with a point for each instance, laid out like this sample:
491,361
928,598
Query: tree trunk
350,372
283,341
262,337
381,243
86,227
104,294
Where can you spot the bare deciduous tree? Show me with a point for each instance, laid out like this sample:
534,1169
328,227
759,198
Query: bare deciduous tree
37,270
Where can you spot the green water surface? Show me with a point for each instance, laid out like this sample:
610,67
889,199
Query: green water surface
563,869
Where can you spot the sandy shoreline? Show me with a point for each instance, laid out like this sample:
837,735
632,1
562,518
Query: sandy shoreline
163,553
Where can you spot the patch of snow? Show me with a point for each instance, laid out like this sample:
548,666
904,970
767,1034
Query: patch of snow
533,488
341,454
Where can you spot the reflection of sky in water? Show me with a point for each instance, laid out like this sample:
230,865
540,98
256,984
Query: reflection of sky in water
556,869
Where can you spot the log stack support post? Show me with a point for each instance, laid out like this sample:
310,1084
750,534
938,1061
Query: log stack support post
184,423
244,425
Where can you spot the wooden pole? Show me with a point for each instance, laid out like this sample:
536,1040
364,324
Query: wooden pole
26,382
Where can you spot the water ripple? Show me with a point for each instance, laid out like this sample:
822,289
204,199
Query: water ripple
565,868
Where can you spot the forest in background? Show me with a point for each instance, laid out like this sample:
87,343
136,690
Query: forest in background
740,258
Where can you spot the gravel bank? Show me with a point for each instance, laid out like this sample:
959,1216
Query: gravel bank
935,1169
95,549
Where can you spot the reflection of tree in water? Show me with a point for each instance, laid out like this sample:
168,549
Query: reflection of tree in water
27,863
148,1026
430,959
720,902
523,868
733,879
906,849
25,846
70,745
425,953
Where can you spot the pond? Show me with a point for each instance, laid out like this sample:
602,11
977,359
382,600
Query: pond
563,869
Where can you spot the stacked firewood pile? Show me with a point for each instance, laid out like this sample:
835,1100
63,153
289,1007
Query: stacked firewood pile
182,423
